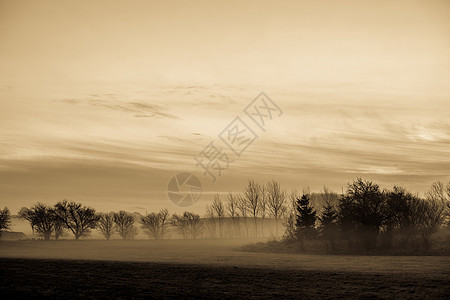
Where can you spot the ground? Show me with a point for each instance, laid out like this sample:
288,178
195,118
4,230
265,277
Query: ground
174,268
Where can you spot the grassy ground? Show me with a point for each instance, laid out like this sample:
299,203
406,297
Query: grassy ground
171,268
33,278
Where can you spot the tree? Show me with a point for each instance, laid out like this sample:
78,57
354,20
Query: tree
188,224
211,222
252,195
447,214
181,224
440,194
106,224
346,219
432,216
403,216
437,192
154,224
291,216
5,220
42,219
194,224
219,210
242,207
262,207
59,228
276,202
328,223
305,219
77,218
232,210
125,225
328,196
363,208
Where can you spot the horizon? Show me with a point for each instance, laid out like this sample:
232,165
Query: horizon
93,114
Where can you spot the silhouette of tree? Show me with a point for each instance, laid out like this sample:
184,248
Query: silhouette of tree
106,224
305,219
42,219
181,224
262,211
60,229
447,209
188,224
276,202
77,218
242,207
211,222
125,225
432,214
194,224
363,209
440,194
232,210
402,213
437,192
291,216
154,224
328,196
5,219
328,223
252,195
219,210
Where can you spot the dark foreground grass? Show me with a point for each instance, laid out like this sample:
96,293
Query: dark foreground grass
38,278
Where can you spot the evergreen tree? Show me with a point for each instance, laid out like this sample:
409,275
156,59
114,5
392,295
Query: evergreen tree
328,223
305,219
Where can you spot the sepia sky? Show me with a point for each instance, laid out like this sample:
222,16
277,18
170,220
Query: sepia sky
104,101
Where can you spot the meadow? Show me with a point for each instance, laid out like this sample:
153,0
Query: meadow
209,268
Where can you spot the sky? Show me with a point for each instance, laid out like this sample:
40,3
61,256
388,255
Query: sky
103,102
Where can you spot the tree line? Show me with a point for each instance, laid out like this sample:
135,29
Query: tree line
365,215
369,217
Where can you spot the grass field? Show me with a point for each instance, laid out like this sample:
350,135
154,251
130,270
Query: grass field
174,268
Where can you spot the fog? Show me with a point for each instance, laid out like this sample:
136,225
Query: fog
216,252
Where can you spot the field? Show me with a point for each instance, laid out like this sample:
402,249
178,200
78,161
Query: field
174,268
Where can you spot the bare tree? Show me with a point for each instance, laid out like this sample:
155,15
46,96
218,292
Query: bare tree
77,218
232,210
42,219
437,192
328,197
181,224
154,224
252,194
5,220
276,202
60,229
262,211
432,216
219,209
194,224
448,189
163,215
106,225
242,207
211,221
447,215
291,215
188,224
125,225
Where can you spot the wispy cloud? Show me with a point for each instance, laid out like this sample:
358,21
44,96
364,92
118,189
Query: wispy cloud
138,108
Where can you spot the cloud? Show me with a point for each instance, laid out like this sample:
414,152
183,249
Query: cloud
109,101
